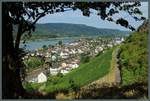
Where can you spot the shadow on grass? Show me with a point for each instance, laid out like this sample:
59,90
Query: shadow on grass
105,91
134,91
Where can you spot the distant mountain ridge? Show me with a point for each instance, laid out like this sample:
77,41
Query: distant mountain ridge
66,29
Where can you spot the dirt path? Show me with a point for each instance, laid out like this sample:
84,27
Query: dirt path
117,76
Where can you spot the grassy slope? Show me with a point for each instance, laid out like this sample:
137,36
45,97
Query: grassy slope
86,73
110,77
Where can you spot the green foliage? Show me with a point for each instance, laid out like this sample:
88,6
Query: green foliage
60,74
44,47
28,86
73,85
33,62
60,42
84,58
54,79
134,59
31,86
50,46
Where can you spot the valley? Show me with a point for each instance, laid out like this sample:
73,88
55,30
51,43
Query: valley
70,69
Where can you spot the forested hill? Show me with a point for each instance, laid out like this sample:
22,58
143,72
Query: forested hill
64,29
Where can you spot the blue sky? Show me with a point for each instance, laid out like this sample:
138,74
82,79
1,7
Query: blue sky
76,17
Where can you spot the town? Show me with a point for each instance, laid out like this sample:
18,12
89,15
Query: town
63,58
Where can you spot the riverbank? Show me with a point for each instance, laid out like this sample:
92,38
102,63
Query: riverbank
32,45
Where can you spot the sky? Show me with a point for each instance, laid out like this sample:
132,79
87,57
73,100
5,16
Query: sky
93,20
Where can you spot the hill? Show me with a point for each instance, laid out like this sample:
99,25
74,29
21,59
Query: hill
134,57
65,29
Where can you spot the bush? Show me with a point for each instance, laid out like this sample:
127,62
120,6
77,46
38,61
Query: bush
44,47
134,59
60,75
84,58
33,62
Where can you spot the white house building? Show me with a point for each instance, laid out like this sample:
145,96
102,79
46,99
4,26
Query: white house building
54,71
80,51
64,71
41,78
37,76
73,66
118,40
53,57
64,55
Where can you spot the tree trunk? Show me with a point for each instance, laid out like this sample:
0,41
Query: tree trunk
18,37
11,82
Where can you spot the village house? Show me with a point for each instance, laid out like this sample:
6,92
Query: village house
73,66
109,45
119,40
41,78
54,71
64,65
64,71
73,51
80,51
32,54
48,54
64,55
37,76
54,58
74,44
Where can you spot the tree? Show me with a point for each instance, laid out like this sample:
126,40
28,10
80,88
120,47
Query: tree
84,58
74,87
24,16
60,43
44,47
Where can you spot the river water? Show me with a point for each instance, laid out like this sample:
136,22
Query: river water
32,45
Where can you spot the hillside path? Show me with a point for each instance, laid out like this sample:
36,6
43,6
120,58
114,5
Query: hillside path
113,77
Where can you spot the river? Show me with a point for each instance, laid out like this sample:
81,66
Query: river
32,45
